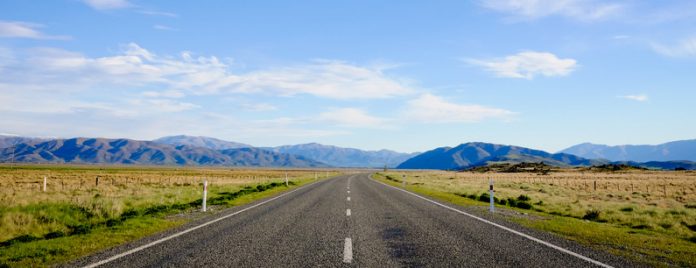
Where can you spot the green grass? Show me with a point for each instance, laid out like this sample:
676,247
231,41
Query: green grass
650,246
53,227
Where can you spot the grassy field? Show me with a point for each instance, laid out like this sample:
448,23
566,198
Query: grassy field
647,216
88,208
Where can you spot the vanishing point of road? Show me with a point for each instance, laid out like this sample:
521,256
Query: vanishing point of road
352,221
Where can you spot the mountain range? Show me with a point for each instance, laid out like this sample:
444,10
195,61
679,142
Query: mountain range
478,153
345,157
671,151
192,150
125,151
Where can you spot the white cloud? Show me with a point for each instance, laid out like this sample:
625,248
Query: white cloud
259,107
640,98
19,29
527,65
163,28
329,79
429,108
108,4
685,48
585,10
138,67
351,117
158,13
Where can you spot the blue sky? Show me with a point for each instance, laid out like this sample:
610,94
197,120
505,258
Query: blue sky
401,75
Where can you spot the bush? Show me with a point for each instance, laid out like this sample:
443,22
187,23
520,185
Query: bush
80,229
523,198
591,215
524,205
512,202
54,234
261,187
626,209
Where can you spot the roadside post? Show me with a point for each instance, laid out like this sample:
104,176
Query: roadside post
205,194
286,179
491,191
403,180
44,184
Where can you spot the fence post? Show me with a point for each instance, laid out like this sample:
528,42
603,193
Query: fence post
491,191
205,194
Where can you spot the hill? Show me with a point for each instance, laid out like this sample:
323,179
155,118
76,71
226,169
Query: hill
345,157
200,141
478,154
125,151
671,151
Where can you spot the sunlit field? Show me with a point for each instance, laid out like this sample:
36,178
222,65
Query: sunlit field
648,215
82,209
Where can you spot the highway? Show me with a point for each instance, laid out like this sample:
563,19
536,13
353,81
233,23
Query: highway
352,221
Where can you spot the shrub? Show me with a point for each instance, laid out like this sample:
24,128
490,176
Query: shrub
512,202
523,198
626,209
80,229
524,205
54,234
591,215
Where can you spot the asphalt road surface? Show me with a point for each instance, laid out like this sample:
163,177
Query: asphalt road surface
349,221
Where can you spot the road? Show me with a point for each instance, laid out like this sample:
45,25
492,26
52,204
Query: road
349,221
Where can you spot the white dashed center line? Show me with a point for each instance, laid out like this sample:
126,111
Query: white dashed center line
347,212
348,251
348,198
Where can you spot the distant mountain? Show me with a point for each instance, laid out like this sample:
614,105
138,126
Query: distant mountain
7,141
345,157
671,151
200,141
125,151
477,153
666,165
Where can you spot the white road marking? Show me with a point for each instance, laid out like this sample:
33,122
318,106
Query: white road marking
112,258
348,191
348,198
347,212
598,263
348,251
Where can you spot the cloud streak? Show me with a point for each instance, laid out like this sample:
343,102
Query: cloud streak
108,4
584,10
138,67
429,108
19,29
527,65
638,98
685,48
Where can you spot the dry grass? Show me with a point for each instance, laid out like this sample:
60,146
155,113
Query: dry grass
79,199
658,200
648,213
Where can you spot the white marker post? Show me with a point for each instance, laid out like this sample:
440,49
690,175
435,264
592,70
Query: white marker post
44,185
491,191
403,180
205,194
286,179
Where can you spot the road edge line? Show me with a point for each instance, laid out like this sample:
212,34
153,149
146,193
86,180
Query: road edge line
561,249
131,251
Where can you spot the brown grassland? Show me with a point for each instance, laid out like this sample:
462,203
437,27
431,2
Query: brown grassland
88,208
647,216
